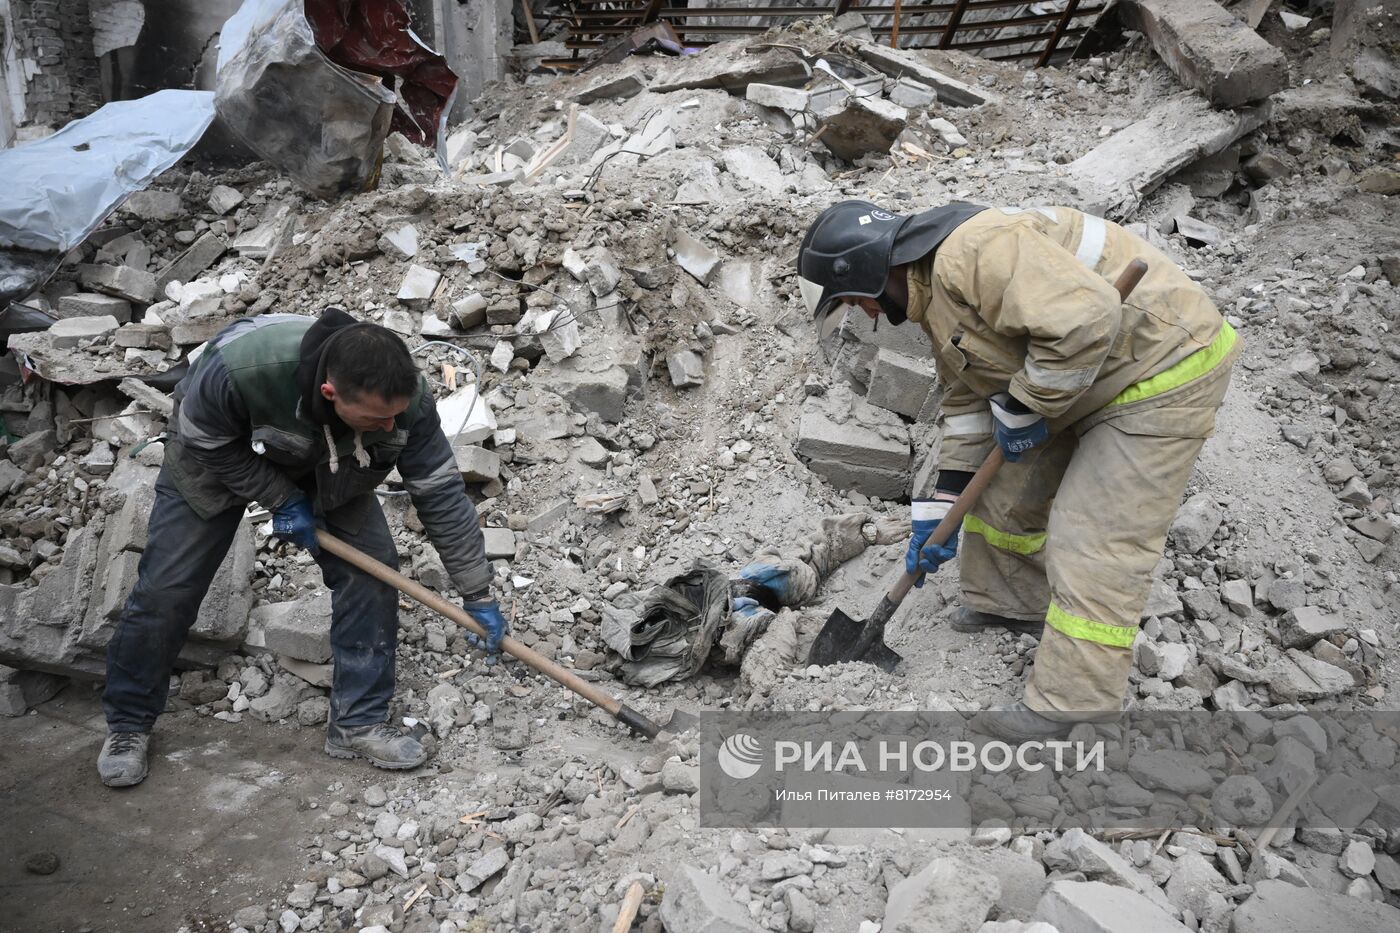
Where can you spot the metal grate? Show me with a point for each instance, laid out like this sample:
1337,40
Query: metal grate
1007,30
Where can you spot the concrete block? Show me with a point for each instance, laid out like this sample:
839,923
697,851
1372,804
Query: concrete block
419,284
143,336
500,543
92,304
589,385
912,94
898,63
1302,627
590,135
1210,49
28,452
696,902
695,257
477,464
1095,907
223,199
119,281
772,95
157,206
687,369
299,628
223,616
862,126
1115,175
126,531
948,896
618,87
469,311
900,383
855,445
69,332
202,254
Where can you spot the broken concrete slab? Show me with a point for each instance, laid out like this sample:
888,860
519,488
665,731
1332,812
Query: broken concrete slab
119,281
912,95
29,452
1095,907
1278,905
224,613
1210,49
900,62
23,690
750,167
1297,677
617,87
948,896
792,99
90,304
1114,176
419,284
732,68
864,125
477,464
466,417
202,254
143,337
71,332
298,628
697,902
159,206
854,444
1304,626
223,199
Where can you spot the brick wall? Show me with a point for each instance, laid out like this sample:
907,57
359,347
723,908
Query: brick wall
56,66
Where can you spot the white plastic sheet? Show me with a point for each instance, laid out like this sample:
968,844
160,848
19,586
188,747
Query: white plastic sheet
59,189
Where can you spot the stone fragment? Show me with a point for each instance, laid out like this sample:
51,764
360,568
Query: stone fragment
280,701
1196,522
947,896
469,311
119,281
482,870
223,199
687,369
403,240
21,691
899,383
854,444
299,628
419,284
1298,677
28,453
1210,49
784,98
864,125
67,333
695,257
1241,800
500,543
677,777
1302,627
1345,799
1358,859
143,336
750,167
1305,729
1114,176
619,87
1193,882
1277,906
1094,907
477,464
1175,771
696,902
1237,597
466,417
899,63
159,206
202,254
912,95
1076,850
91,304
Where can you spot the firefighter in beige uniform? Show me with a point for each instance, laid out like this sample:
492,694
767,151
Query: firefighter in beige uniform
1101,407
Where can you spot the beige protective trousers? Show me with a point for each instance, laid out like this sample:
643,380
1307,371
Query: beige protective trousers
1072,531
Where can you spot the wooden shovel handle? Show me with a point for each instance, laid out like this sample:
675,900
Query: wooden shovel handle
362,561
1128,280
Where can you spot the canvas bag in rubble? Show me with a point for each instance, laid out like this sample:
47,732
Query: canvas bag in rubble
667,632
322,122
59,189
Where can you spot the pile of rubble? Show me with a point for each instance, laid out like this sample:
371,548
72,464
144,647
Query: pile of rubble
601,294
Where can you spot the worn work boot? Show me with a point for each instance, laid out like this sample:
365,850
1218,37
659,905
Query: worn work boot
971,620
385,746
123,759
1018,723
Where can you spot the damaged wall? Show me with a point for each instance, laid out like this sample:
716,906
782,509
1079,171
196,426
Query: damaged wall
50,71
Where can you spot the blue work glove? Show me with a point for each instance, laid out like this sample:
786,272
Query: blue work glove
293,521
923,556
487,613
1016,428
773,579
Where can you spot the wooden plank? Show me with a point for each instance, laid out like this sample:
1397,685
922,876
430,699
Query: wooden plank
951,27
1060,28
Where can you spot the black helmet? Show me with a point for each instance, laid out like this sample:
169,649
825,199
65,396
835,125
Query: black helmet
846,254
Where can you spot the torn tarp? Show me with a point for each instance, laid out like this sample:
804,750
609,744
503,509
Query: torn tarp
60,188
315,86
669,631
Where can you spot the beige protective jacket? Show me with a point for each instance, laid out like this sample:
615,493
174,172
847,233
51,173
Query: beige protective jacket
1022,300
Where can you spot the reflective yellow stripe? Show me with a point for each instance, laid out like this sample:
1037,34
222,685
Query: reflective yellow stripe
1016,544
1193,367
1116,636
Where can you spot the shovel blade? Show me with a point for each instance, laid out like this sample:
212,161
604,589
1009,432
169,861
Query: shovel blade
840,641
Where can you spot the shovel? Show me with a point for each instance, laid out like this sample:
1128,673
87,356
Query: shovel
610,704
845,639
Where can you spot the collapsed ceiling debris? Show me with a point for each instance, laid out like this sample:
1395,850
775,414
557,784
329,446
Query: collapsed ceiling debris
599,288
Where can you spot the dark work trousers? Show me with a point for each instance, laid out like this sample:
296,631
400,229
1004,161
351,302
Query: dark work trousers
183,552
